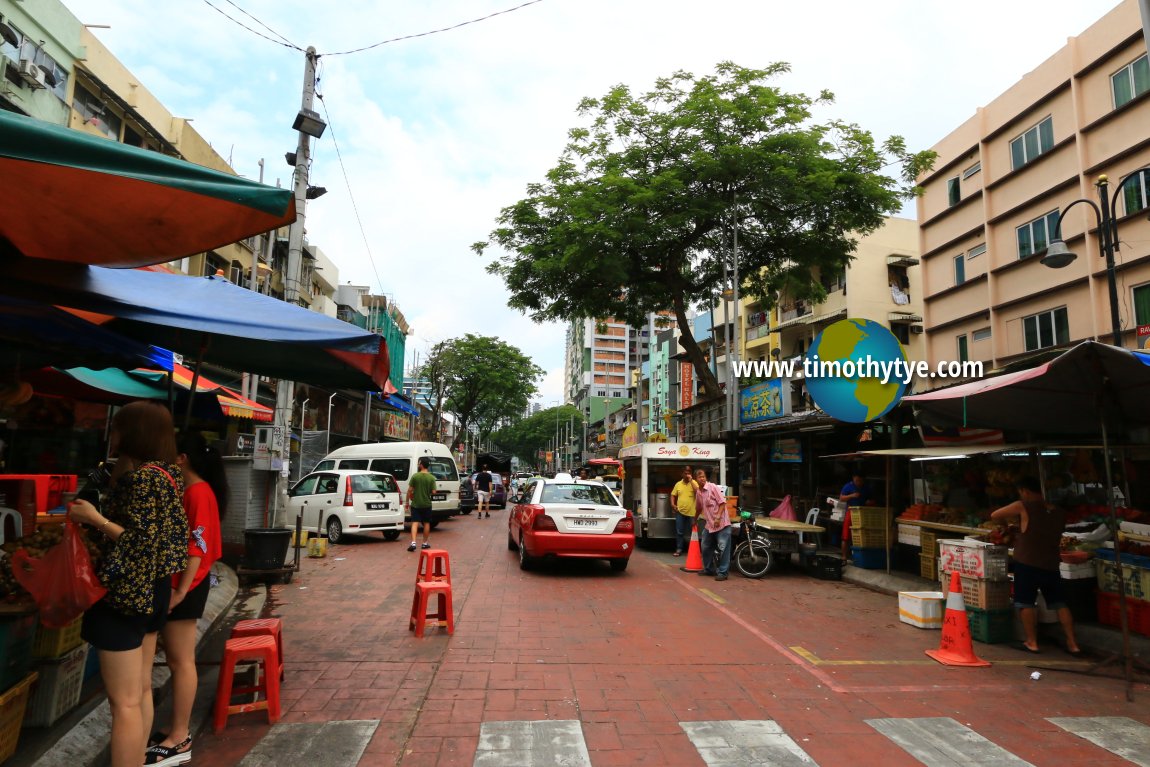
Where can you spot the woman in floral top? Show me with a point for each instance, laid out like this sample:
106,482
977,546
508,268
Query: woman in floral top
145,534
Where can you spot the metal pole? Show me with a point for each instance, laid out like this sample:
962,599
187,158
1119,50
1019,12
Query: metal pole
735,288
726,345
1107,235
329,401
366,414
1144,7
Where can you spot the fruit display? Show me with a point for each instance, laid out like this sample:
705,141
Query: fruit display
45,537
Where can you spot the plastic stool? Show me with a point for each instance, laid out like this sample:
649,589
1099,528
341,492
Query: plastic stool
272,627
434,565
443,616
261,649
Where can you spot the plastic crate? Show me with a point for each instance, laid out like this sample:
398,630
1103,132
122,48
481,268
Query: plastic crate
1137,613
868,559
868,539
911,535
973,558
58,690
984,594
928,566
12,705
54,643
16,638
1135,579
870,517
921,608
991,626
825,568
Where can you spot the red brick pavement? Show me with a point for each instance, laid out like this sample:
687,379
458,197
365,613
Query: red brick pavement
630,656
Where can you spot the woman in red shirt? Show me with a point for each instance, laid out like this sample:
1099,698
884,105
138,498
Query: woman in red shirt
205,501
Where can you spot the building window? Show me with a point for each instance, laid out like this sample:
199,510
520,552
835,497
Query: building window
901,331
982,334
959,269
1130,81
972,170
963,351
1046,329
95,114
1142,304
976,251
1034,236
601,393
953,192
618,394
1135,192
1032,143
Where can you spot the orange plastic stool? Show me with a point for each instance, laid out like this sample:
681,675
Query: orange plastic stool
443,615
261,649
272,627
434,565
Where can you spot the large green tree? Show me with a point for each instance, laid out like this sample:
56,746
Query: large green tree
484,380
637,215
526,437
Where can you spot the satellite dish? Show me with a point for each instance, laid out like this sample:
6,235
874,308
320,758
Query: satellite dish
9,34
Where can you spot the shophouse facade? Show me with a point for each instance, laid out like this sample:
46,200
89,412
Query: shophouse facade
992,200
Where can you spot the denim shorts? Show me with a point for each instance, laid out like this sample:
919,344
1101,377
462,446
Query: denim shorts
1028,581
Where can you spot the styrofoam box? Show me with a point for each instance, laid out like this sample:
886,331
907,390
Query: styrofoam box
910,534
1134,527
1080,570
921,608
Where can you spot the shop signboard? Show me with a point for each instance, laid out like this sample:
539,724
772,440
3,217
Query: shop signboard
764,401
686,385
396,425
631,435
1144,337
787,450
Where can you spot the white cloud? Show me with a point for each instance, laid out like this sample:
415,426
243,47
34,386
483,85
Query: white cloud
438,133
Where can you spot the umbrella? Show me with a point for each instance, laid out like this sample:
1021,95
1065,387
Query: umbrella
231,402
117,387
1090,389
82,198
210,319
36,334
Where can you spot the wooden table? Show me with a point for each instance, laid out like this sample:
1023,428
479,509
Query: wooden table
787,526
942,527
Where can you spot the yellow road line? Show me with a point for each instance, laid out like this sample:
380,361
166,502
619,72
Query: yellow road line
815,660
714,596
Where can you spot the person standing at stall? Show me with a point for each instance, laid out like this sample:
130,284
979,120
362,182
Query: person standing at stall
144,542
683,501
712,506
205,502
854,493
1036,560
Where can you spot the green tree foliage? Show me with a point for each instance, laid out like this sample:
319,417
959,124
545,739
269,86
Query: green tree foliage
637,215
525,438
483,380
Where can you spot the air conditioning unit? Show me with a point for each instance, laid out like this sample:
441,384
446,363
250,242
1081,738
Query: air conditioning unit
32,75
916,328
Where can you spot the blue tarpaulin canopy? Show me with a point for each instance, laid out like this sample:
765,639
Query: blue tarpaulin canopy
211,319
400,404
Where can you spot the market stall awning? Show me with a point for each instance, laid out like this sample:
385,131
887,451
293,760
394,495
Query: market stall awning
400,404
117,387
212,319
34,335
932,453
80,198
231,402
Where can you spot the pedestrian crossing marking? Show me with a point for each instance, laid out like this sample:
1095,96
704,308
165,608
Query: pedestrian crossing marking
509,744
943,742
744,743
815,660
1117,734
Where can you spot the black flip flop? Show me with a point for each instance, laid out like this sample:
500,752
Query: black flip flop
1022,646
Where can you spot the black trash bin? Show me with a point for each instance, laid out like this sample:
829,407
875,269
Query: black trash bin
266,548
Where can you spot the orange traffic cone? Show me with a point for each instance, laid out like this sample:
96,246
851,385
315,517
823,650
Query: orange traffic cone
956,648
694,554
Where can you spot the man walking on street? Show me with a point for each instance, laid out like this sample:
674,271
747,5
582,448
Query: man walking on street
483,492
419,490
1036,560
712,506
683,500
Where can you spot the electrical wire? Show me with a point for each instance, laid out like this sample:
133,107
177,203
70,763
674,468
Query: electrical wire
434,31
350,194
265,26
254,32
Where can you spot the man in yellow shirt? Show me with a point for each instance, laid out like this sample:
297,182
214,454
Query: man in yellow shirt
683,500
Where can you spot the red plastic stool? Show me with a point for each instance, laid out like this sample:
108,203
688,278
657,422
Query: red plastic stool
434,565
272,627
261,649
443,615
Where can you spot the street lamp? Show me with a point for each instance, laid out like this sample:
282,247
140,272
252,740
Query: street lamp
1058,256
329,401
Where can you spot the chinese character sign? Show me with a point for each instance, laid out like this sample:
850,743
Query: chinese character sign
763,401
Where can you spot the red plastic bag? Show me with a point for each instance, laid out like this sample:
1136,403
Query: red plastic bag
785,510
62,582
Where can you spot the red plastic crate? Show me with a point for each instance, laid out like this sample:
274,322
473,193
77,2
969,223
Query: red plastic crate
1137,612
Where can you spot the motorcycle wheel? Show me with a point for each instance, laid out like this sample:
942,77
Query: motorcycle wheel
753,558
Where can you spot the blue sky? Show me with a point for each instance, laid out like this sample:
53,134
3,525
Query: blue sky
438,133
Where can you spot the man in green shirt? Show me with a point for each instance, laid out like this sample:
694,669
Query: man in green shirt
419,490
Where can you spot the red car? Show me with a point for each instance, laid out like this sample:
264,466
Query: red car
565,517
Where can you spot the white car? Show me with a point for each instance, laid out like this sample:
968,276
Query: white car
341,502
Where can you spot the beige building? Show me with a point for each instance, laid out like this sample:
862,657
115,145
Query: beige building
992,201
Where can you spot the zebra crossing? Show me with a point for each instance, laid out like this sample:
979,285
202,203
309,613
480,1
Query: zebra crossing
933,741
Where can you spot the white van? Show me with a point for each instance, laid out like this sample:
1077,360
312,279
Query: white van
400,460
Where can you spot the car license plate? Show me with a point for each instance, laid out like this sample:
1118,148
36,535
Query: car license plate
378,506
439,496
579,522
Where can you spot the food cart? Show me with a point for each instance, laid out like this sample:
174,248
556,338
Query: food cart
650,471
